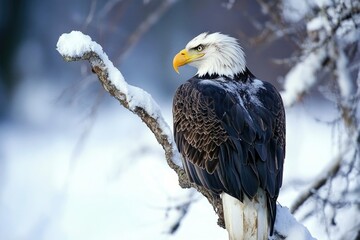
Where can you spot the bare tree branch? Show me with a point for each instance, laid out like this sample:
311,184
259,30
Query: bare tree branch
91,14
321,180
176,213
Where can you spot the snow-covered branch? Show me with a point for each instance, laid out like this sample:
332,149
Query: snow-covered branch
305,73
76,46
330,30
320,181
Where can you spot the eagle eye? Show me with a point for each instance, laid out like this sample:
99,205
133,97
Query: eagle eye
199,48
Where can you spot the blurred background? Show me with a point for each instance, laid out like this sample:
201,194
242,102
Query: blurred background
74,164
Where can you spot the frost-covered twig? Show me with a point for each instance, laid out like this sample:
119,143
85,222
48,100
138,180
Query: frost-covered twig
175,213
320,181
91,13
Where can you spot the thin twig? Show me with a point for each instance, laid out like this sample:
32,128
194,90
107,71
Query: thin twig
180,209
331,171
144,26
91,14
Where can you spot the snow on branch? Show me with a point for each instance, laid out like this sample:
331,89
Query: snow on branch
286,226
76,46
302,77
331,29
320,181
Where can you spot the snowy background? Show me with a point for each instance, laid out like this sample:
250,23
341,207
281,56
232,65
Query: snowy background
77,165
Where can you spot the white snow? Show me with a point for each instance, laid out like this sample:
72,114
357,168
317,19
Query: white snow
286,225
346,86
76,44
295,10
302,76
348,32
234,87
316,23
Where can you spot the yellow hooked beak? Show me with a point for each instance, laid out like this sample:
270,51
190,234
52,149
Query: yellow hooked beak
184,57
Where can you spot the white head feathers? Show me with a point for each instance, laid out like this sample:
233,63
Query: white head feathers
222,54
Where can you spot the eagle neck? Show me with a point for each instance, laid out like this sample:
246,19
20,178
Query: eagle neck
244,76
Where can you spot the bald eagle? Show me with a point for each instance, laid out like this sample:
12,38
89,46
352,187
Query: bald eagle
229,127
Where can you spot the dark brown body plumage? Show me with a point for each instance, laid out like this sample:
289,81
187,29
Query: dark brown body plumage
231,133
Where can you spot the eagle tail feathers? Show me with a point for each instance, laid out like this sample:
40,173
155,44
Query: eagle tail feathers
247,220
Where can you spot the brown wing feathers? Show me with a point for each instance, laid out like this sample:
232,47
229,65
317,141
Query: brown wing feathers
200,131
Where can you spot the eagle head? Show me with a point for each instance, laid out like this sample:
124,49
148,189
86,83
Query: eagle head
214,53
